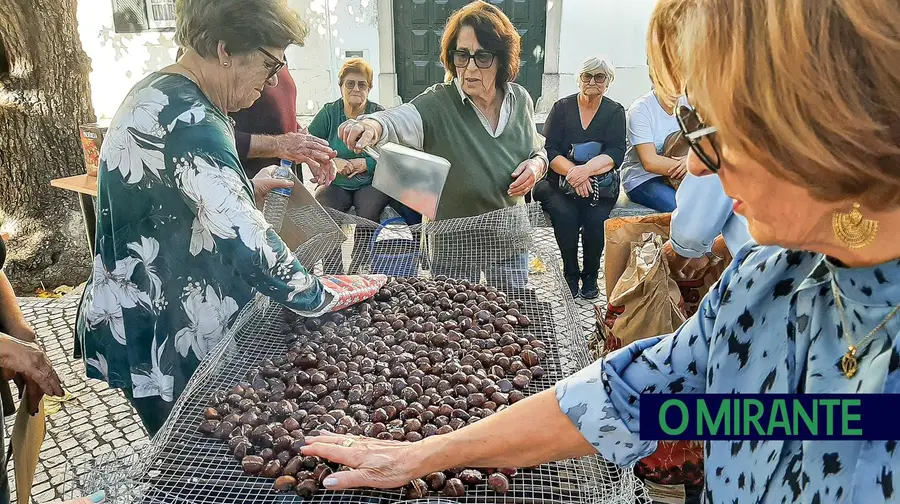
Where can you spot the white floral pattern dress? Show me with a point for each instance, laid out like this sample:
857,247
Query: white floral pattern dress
181,246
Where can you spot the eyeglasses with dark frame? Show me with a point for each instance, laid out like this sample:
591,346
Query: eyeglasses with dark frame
695,130
598,78
277,64
483,59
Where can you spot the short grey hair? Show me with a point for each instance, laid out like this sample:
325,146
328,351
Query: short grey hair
594,64
243,25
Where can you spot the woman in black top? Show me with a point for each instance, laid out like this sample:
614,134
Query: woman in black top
585,144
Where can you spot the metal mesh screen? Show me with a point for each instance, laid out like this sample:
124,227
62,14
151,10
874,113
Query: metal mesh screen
183,466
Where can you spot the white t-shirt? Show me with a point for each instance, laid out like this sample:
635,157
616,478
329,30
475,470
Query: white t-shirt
647,122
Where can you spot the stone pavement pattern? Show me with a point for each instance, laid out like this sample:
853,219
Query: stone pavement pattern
99,419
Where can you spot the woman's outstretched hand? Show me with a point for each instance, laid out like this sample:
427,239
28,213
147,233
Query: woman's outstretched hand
376,463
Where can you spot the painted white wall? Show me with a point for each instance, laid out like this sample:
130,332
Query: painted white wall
119,61
611,28
336,26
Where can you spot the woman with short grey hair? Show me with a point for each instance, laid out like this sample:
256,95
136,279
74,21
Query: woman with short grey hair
181,243
585,144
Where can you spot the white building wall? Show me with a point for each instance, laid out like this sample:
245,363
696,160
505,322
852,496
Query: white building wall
612,28
615,29
119,61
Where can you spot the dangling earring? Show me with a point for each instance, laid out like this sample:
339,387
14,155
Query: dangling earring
852,229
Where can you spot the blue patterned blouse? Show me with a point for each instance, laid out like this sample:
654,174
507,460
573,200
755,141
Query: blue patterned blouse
769,326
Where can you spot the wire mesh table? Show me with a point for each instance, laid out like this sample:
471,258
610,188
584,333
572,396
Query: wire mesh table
182,466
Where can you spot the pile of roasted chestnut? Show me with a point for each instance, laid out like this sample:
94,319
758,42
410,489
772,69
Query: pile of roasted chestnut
423,358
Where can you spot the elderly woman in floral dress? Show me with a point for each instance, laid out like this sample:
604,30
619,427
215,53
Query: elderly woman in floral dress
181,244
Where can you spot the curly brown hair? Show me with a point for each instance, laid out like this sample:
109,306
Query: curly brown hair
495,32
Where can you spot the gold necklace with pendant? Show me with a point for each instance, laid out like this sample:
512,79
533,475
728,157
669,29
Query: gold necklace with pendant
849,362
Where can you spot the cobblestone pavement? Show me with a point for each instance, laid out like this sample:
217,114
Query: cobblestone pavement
98,419
95,421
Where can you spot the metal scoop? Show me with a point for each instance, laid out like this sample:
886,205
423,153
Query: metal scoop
411,177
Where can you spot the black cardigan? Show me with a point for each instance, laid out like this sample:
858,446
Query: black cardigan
562,129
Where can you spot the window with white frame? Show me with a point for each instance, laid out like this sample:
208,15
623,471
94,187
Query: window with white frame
135,16
161,13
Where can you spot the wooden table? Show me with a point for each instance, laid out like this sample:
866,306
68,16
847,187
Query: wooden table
86,187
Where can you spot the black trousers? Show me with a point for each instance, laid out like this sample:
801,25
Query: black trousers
369,203
573,216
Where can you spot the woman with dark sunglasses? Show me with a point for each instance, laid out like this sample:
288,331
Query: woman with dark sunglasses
800,119
585,143
483,123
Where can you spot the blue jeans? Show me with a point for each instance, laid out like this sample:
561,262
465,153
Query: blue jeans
654,193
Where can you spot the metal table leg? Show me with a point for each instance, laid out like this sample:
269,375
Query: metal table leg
88,213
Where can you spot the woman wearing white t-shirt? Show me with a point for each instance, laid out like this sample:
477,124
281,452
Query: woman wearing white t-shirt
650,120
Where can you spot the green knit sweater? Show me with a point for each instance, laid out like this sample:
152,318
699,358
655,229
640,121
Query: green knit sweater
325,126
481,166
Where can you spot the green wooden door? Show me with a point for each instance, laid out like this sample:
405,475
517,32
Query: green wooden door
419,24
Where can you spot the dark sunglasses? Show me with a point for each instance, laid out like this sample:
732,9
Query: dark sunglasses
694,131
599,78
276,64
483,59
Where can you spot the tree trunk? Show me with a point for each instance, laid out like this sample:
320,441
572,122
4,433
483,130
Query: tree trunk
44,97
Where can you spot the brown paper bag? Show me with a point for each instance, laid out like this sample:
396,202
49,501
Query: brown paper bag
645,301
620,232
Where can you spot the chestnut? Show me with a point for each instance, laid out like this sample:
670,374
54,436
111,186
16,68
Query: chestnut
508,471
499,483
417,489
521,381
293,466
454,488
516,396
283,443
285,483
436,481
208,426
471,477
252,464
321,472
307,488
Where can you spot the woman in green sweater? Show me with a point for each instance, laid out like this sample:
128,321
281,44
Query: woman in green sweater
352,187
483,123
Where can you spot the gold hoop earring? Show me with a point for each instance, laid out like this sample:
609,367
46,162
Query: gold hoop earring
852,229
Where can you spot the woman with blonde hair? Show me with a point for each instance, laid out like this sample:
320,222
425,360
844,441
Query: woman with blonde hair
797,112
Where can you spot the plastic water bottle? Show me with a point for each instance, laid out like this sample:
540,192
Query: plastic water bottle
277,199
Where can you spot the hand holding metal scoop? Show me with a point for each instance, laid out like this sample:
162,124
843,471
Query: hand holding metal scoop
411,177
